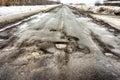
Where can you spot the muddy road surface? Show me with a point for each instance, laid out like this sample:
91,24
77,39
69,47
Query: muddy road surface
61,44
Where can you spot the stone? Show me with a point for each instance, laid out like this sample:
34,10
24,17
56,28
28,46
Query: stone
109,54
61,46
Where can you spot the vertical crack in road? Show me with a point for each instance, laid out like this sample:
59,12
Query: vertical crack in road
60,44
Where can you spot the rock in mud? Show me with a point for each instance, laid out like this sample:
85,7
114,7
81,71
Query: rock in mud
60,46
109,54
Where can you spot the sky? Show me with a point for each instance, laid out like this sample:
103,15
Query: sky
80,1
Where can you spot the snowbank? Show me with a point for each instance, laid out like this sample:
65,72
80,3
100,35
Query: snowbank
17,9
20,9
113,10
15,13
114,21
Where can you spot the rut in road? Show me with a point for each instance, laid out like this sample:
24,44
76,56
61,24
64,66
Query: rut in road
62,44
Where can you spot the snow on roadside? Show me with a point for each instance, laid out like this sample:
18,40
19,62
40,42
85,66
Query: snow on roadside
17,13
100,9
111,20
19,9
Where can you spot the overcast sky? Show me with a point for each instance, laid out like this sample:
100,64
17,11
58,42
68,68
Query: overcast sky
80,1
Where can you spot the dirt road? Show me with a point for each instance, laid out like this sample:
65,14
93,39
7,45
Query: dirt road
61,44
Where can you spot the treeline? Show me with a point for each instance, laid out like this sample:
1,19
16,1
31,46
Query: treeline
112,0
27,2
108,3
